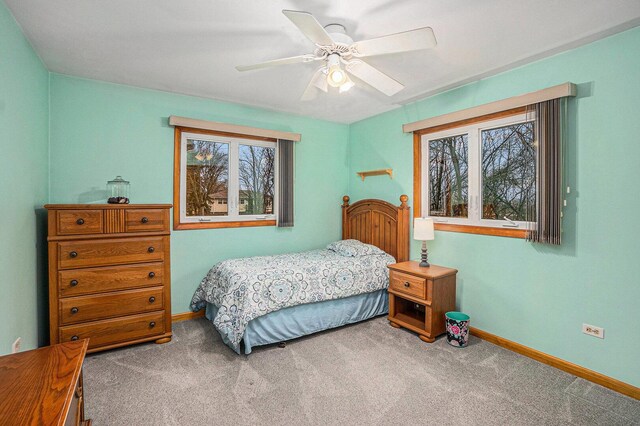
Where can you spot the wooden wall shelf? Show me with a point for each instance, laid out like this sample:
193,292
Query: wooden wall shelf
375,173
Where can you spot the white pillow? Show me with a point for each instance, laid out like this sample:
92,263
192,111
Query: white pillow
354,248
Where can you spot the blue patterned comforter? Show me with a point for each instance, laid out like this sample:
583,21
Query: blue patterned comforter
245,289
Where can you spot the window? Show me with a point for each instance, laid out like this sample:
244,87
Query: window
225,180
481,174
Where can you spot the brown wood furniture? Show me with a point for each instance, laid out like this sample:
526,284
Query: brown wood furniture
378,223
43,386
419,298
109,274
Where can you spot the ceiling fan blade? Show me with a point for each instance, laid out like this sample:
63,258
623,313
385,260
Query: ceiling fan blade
421,38
276,62
374,78
309,26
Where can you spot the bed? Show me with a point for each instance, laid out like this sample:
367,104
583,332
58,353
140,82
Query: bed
271,299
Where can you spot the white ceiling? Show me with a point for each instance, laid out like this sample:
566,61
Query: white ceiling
192,47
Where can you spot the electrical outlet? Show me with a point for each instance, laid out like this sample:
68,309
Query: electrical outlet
16,345
592,330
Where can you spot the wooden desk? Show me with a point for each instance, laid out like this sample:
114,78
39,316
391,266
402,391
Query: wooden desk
43,386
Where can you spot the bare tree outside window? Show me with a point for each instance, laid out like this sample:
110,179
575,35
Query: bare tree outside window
207,178
257,178
508,172
448,176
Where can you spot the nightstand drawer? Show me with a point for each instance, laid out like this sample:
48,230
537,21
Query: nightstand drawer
408,284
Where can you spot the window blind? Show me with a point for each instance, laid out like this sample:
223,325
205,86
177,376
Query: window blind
546,217
285,183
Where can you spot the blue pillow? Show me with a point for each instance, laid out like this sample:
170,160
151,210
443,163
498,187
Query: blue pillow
354,248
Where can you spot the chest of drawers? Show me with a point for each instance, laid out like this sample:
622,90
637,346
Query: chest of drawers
109,274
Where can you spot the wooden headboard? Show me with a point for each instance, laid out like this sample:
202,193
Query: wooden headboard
379,223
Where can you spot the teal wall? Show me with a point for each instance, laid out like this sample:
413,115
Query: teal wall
24,175
537,295
100,130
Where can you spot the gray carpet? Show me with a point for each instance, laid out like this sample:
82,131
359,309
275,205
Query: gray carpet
364,374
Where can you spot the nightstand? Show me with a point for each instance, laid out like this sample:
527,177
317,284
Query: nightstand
419,298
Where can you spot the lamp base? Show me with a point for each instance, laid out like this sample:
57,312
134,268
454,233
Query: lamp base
423,257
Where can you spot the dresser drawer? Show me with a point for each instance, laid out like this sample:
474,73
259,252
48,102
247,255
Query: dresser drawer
407,284
145,220
78,254
117,330
76,282
78,222
88,308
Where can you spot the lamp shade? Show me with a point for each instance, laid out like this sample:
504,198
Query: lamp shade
423,229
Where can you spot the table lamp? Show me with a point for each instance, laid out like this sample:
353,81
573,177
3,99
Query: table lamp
423,231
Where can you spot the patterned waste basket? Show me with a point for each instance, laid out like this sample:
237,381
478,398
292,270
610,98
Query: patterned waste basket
457,329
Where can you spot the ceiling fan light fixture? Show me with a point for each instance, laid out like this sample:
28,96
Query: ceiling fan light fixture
336,76
348,84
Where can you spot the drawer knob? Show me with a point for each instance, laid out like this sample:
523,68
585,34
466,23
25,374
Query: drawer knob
80,221
152,274
73,254
144,219
406,284
73,283
152,324
74,310
151,249
74,337
152,299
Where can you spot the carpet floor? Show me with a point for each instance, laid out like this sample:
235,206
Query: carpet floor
364,374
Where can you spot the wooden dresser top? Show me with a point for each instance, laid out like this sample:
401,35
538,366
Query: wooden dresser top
105,206
38,385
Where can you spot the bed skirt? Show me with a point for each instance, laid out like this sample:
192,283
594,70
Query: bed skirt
301,320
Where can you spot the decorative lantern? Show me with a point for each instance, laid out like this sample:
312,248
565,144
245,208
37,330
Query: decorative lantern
119,189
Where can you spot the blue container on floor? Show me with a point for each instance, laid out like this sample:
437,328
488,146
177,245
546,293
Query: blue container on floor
457,329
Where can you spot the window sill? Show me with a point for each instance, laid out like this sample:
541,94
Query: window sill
216,225
482,230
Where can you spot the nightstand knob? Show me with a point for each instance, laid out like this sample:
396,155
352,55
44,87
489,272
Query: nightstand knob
80,221
406,284
74,338
152,299
152,274
73,254
73,283
152,324
151,249
74,310
144,219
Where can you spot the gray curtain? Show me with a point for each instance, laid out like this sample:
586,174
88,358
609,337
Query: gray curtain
546,216
285,183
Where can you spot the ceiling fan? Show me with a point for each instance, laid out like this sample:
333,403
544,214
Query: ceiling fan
341,56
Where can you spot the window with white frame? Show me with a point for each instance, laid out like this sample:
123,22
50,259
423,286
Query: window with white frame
227,179
482,174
